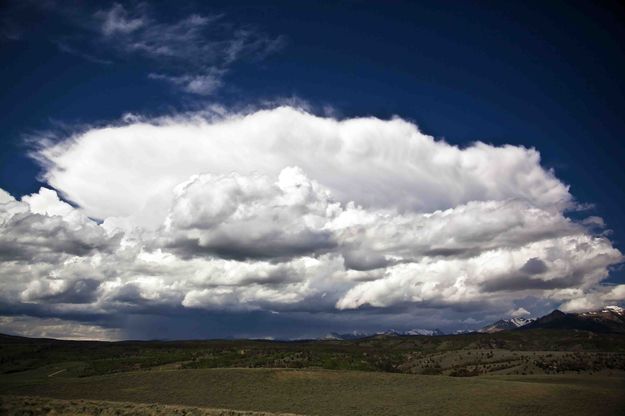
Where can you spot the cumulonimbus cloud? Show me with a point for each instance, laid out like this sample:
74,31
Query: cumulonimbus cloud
283,210
119,171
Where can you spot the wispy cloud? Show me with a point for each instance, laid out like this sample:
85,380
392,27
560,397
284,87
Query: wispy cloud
116,20
194,52
65,47
9,30
201,84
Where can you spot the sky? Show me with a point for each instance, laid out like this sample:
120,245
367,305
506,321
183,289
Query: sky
289,169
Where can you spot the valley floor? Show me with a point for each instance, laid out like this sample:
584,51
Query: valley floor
313,392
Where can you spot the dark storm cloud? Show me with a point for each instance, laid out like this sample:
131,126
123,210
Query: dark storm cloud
522,281
34,237
77,291
363,260
128,293
276,247
458,252
14,307
534,266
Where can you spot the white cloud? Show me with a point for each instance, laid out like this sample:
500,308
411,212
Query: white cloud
116,20
581,262
281,210
41,227
464,231
249,216
376,163
595,298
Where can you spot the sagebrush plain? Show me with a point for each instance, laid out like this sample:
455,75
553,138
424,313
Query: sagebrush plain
514,373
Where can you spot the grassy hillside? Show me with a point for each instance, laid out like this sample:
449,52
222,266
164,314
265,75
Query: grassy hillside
327,392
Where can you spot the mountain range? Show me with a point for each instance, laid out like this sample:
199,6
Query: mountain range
390,332
607,319
610,319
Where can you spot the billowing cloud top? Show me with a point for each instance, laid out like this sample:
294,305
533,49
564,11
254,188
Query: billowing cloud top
119,171
284,211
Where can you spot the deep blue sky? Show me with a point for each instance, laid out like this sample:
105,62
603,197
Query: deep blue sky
547,75
543,75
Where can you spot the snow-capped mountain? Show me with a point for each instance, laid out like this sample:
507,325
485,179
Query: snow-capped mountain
389,332
414,331
609,310
348,335
506,325
428,332
608,319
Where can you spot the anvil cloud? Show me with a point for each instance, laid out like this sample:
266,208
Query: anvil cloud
284,211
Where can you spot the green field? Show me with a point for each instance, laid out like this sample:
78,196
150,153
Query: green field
327,392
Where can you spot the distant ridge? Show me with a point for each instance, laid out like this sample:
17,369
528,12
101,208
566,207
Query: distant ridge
390,332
